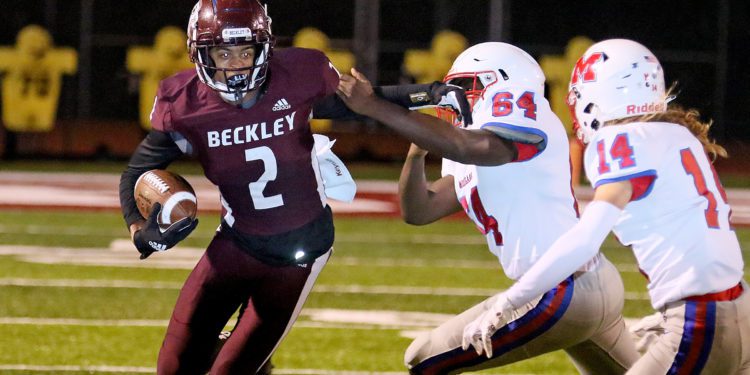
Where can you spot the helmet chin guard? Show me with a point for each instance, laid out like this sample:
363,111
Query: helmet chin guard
227,23
614,79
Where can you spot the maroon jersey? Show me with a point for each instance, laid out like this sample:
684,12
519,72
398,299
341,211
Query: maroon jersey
261,158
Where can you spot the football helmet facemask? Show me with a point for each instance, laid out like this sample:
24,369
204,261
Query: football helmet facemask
492,65
215,23
614,79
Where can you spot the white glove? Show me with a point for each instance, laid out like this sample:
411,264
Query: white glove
646,331
479,332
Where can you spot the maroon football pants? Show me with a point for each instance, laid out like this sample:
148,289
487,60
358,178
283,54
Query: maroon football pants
223,279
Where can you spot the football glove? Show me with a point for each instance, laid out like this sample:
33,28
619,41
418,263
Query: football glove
478,333
451,96
151,238
647,331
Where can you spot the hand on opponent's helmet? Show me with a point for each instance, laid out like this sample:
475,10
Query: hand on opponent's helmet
446,95
356,91
150,237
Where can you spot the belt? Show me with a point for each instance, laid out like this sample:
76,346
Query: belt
726,295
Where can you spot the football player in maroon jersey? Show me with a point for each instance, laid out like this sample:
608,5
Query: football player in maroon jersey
243,113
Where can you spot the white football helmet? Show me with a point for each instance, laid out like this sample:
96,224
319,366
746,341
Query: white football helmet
614,79
493,64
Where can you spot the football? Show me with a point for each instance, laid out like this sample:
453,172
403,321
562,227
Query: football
175,194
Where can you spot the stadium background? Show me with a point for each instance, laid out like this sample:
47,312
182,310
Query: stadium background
73,296
703,46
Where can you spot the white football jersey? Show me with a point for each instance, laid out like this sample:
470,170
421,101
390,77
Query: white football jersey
524,206
678,220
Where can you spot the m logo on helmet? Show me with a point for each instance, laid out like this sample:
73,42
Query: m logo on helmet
583,72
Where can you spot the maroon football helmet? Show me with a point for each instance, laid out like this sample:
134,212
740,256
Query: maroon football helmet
230,23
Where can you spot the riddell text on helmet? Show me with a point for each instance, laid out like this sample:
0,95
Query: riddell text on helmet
645,108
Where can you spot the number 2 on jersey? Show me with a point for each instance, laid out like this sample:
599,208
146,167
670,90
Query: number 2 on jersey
264,154
270,170
489,223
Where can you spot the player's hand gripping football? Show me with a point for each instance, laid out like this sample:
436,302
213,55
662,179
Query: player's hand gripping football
478,333
151,238
450,96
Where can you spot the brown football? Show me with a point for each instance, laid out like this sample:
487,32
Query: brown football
175,194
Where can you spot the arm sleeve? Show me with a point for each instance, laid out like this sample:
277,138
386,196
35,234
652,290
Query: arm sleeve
332,107
156,151
407,96
572,250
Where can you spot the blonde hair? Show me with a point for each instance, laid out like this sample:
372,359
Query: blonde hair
689,118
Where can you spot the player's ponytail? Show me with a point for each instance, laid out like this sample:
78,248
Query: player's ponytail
690,118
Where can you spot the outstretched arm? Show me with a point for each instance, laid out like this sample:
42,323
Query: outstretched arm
422,202
577,246
566,255
477,147
412,97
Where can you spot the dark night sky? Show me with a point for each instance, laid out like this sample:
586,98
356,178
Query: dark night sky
673,30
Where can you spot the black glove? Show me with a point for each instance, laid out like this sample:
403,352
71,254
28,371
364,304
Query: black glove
424,95
451,96
150,238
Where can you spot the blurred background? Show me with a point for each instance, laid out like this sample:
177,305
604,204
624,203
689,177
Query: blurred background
77,81
78,76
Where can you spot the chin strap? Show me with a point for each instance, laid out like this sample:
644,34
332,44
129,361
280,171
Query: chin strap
236,84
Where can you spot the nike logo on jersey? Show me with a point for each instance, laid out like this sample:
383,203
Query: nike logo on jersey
281,105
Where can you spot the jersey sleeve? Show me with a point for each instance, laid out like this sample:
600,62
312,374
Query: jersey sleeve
617,154
161,113
330,76
514,115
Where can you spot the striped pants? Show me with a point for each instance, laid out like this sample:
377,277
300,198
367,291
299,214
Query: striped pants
582,315
702,335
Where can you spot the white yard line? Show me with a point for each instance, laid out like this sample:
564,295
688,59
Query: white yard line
90,283
320,288
82,322
152,370
56,369
122,254
309,318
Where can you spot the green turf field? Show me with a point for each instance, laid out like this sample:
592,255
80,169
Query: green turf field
59,315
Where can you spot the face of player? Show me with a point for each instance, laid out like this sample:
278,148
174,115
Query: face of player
232,57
